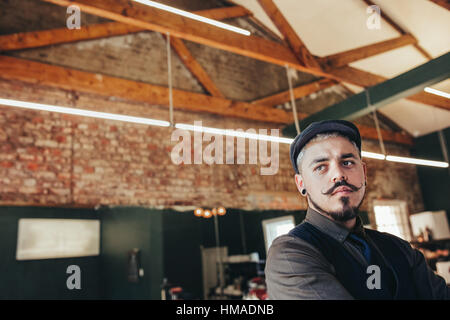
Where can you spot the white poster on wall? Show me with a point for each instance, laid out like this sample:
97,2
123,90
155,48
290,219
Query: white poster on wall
57,238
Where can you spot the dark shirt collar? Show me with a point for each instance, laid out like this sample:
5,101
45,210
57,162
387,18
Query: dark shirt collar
331,227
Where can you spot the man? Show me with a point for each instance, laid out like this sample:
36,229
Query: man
330,255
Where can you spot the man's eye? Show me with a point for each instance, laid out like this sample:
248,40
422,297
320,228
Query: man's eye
319,168
348,162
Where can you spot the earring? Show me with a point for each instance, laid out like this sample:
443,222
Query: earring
303,191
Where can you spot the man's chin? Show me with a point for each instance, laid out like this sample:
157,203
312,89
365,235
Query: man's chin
343,216
345,213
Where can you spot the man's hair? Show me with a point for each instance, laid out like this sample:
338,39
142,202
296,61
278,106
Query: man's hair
319,137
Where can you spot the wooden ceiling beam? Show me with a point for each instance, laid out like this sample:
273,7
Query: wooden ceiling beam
291,37
443,3
299,92
399,29
346,57
34,39
153,19
194,67
250,46
70,79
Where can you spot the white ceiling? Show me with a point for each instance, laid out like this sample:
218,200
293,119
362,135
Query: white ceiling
331,26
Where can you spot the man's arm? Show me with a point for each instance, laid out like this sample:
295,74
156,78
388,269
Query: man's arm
295,270
429,285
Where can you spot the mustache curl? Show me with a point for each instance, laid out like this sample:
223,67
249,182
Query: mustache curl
343,183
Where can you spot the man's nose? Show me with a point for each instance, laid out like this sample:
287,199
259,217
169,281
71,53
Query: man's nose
338,174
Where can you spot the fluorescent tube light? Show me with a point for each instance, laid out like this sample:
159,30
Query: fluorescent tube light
193,16
372,155
226,132
439,164
233,133
437,92
81,112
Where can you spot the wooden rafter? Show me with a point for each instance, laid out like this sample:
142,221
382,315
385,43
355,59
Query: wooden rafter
142,16
69,79
249,46
346,57
194,67
443,3
399,29
34,39
384,93
299,92
291,37
391,136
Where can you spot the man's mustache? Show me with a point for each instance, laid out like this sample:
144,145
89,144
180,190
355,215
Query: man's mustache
342,183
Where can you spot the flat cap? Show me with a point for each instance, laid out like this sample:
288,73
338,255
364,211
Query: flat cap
344,127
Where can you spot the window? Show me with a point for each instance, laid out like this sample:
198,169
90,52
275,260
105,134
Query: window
276,227
392,216
57,238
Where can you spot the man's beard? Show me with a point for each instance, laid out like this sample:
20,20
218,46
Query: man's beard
347,212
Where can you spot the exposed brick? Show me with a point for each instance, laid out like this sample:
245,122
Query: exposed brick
6,164
38,120
61,139
29,182
127,164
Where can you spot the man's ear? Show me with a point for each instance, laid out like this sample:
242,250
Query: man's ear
365,172
299,182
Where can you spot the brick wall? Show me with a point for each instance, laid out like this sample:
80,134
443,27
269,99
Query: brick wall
48,158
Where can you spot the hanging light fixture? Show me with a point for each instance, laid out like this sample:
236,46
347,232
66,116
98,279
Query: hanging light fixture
81,112
193,16
161,123
421,162
207,213
437,92
221,211
198,212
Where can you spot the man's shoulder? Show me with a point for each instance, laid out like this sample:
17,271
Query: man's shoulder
289,248
289,254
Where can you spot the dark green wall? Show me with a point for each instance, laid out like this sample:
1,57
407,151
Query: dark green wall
46,278
169,243
123,229
434,182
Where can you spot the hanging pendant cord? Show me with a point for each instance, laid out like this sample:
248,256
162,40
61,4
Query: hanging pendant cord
377,125
294,107
169,70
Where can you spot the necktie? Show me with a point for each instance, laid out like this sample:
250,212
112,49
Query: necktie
365,246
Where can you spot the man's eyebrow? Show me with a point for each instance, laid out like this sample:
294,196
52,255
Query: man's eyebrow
348,155
344,156
318,160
